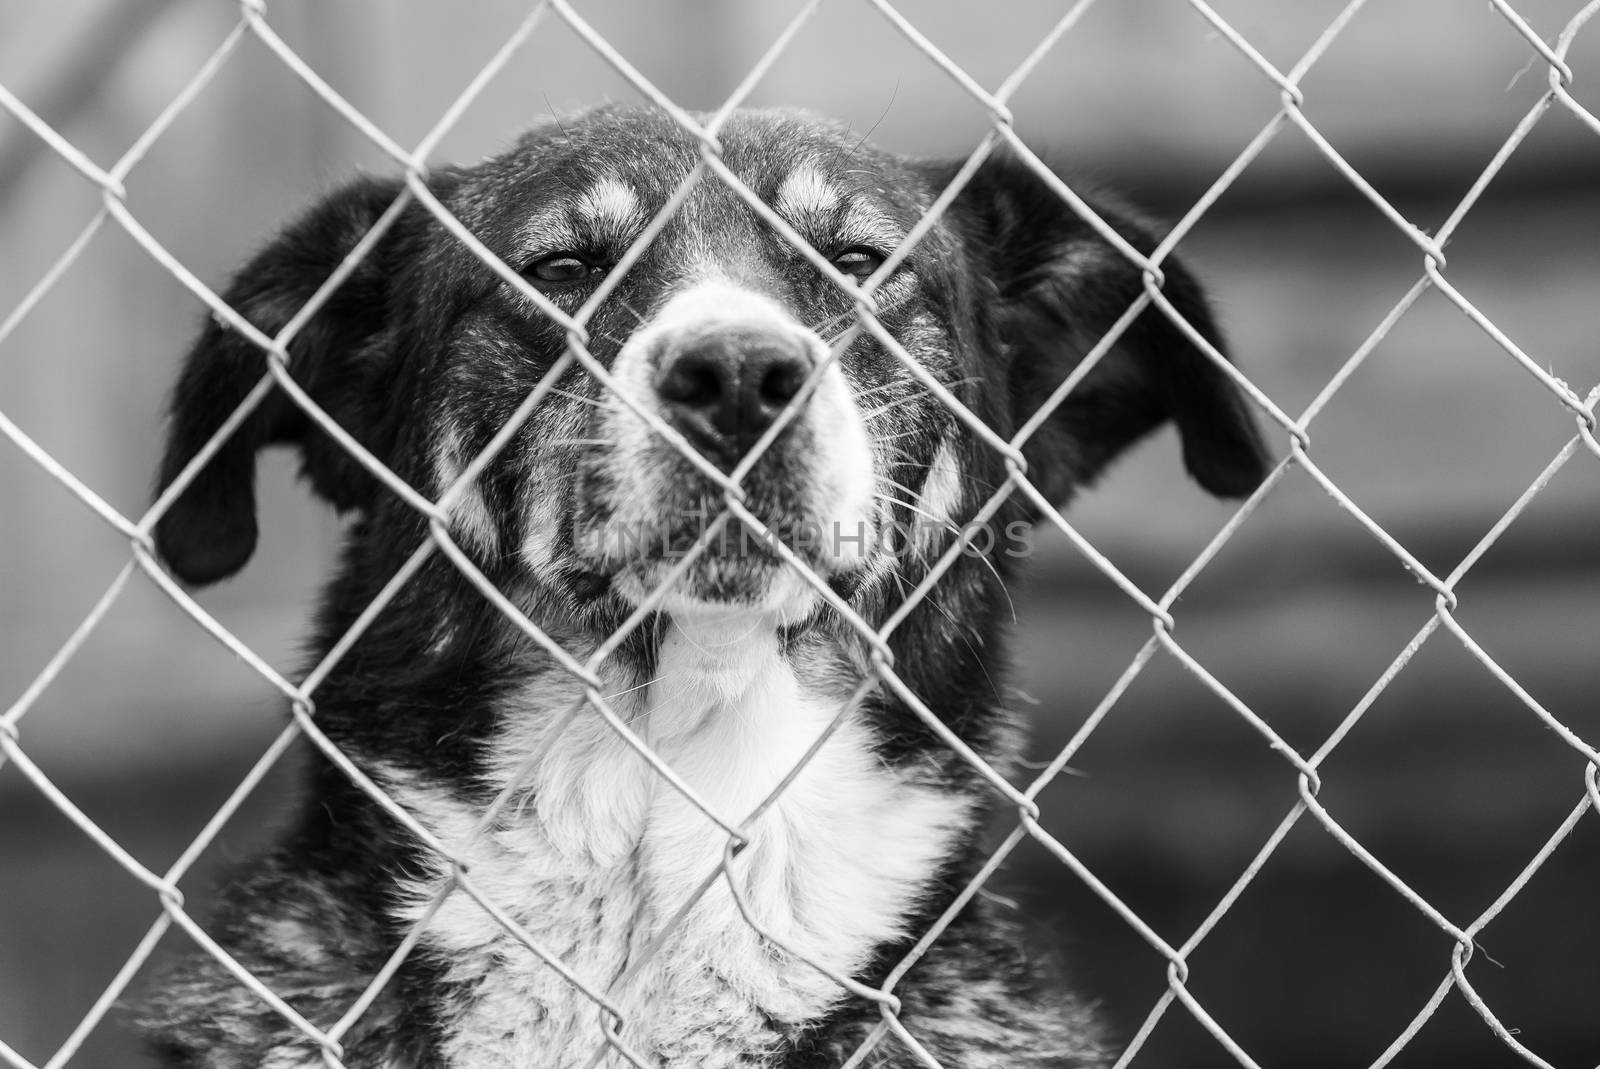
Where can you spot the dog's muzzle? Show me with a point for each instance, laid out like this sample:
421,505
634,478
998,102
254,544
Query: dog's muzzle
721,365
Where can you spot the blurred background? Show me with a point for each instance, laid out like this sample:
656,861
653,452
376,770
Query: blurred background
1449,778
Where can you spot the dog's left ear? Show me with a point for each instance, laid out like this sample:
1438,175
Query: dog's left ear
210,530
1059,287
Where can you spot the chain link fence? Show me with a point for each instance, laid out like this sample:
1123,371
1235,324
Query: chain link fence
1296,431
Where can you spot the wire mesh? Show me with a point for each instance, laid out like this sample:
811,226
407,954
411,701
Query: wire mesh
1296,431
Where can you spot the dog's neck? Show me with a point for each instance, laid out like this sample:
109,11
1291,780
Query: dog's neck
605,856
727,712
709,668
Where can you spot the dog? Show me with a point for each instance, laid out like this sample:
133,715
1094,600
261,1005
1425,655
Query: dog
726,349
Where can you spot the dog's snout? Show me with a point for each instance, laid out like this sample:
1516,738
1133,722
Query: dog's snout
723,390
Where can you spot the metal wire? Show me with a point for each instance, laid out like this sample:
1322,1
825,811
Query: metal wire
881,675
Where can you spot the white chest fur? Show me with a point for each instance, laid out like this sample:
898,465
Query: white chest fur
603,855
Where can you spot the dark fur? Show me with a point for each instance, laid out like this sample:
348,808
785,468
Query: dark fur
1019,286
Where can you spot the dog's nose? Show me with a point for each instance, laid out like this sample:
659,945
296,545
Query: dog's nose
723,390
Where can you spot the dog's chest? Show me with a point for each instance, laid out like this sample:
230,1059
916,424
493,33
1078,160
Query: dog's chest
605,867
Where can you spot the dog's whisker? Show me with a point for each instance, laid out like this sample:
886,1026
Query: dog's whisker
828,322
921,393
890,406
882,386
638,316
949,527
576,397
897,485
892,500
894,454
942,521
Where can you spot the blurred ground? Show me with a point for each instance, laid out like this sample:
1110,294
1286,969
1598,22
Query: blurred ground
1448,779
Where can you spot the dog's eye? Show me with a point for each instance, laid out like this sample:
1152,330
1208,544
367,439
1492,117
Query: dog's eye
858,261
563,267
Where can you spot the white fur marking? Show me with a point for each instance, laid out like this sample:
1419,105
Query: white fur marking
607,853
469,518
611,208
806,198
844,468
939,499
607,211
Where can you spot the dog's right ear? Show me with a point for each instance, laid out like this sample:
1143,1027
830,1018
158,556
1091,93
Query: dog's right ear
338,357
1057,287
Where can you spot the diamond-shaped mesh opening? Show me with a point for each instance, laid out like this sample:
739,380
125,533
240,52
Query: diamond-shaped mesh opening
1222,761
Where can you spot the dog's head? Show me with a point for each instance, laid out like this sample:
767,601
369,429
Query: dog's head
722,333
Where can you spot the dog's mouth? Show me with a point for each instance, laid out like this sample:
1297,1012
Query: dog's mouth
696,551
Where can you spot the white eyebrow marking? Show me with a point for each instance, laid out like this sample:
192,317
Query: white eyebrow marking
611,208
819,210
607,213
805,198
